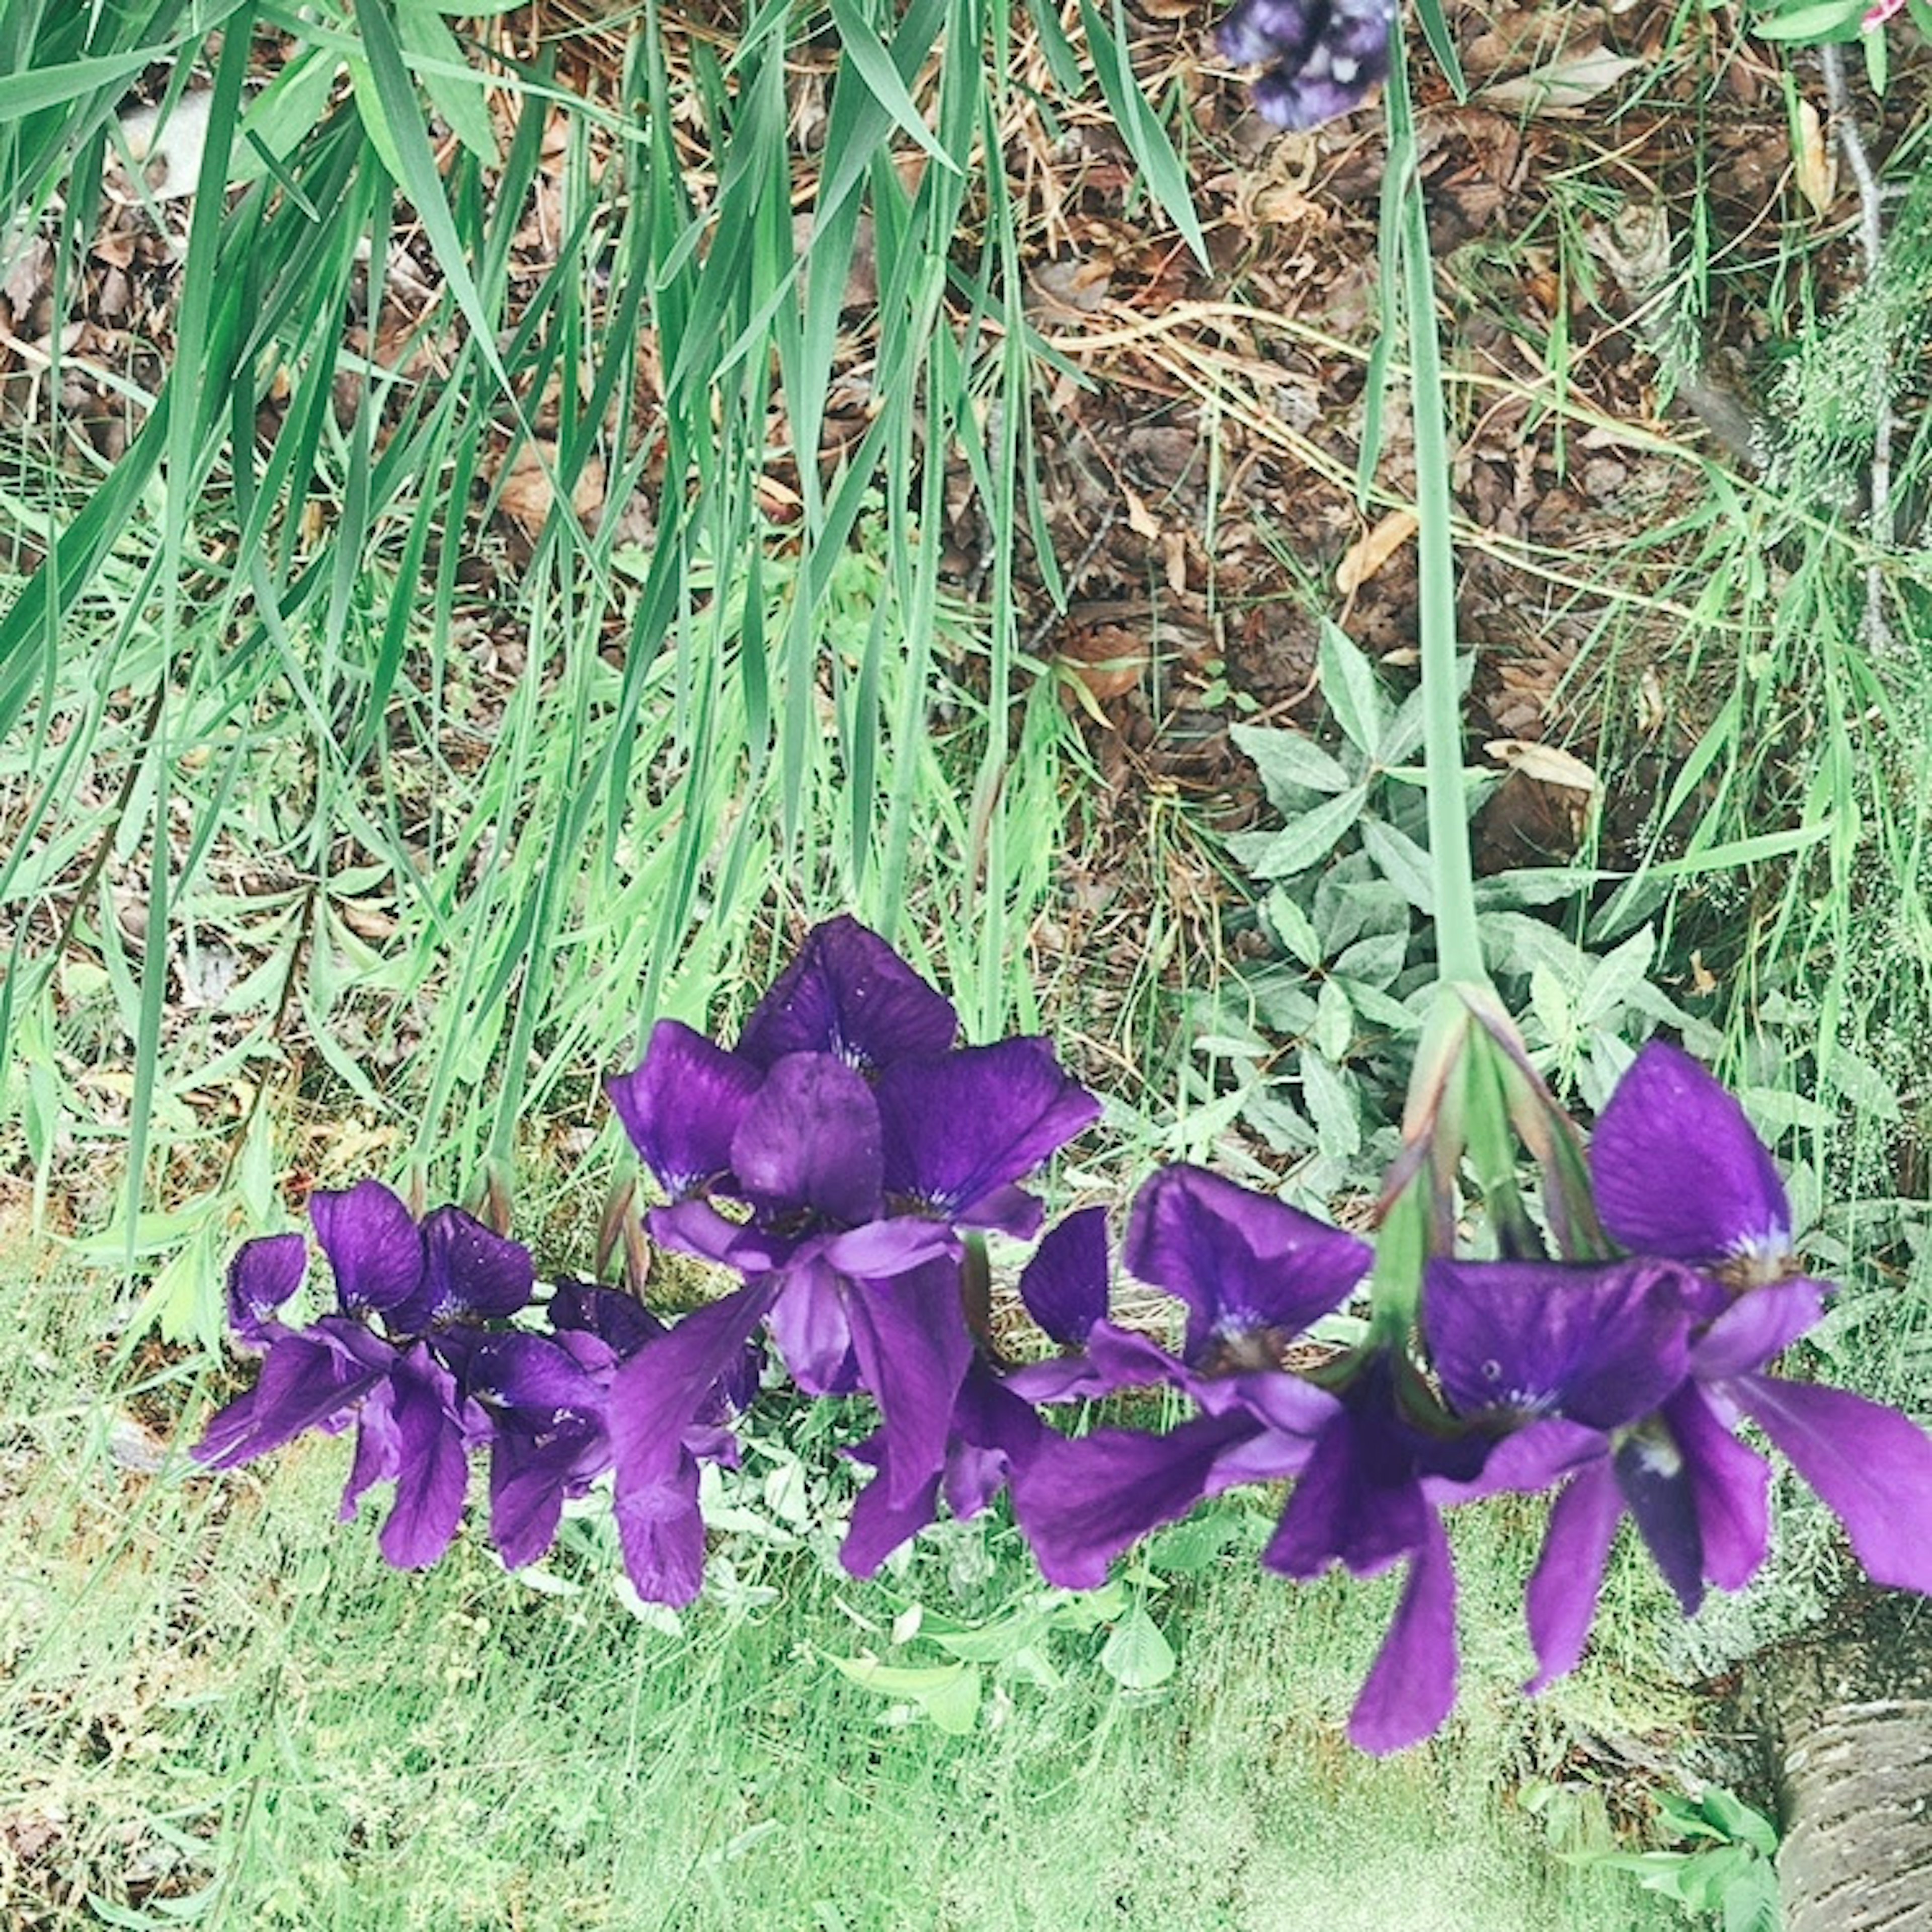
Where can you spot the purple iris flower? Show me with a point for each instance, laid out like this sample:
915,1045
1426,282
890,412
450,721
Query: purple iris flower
408,1298
1251,1272
1679,1173
1322,56
847,1141
1626,1381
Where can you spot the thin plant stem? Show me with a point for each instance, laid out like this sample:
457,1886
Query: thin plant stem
1459,956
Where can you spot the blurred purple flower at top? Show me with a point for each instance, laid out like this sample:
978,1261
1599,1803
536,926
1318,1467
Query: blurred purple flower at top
1322,56
406,1299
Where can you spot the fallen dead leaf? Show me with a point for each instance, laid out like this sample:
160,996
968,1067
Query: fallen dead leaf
1370,553
1814,161
1561,86
1545,764
526,493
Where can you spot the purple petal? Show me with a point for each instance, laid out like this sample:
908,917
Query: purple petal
697,1228
1730,1485
1081,1503
263,1276
878,1525
1291,1406
657,1393
661,1532
1114,1358
1678,1171
1411,1687
433,1471
810,1139
1762,1322
1358,1503
1242,1263
1661,1495
531,1472
520,1370
620,1320
881,1249
1064,1286
470,1274
959,1127
309,1378
910,1336
1871,1465
812,1330
994,1433
848,993
682,1105
374,1245
1569,1574
1601,1345
1536,1457
379,1449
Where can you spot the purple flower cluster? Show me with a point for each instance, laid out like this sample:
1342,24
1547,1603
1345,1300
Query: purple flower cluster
418,1354
837,1159
1322,57
841,1159
1619,1383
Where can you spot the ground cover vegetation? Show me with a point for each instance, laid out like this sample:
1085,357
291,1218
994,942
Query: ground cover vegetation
555,504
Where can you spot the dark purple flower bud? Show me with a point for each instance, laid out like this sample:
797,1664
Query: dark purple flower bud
1323,56
1253,1272
682,1105
848,994
1064,1286
961,1127
1678,1173
263,1276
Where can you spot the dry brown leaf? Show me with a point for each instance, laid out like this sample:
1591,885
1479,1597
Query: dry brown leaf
1814,161
527,494
1102,661
1561,86
1140,518
1543,763
1369,553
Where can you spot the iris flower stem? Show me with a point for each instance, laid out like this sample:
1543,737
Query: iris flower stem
1459,954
